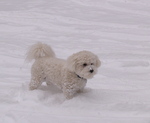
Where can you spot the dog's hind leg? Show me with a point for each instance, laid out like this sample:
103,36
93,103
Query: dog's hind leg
35,82
37,76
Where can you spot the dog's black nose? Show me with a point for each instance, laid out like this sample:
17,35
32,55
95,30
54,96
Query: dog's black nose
91,71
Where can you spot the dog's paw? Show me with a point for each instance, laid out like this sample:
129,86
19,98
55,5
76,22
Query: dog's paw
32,88
69,97
80,90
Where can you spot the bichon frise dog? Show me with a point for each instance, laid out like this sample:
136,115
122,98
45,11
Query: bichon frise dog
69,75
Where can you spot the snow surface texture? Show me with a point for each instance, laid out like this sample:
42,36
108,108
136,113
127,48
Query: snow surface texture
118,31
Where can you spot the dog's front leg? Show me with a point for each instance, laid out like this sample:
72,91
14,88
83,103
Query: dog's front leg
68,92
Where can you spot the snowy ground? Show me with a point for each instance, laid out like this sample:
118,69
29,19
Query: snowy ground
118,31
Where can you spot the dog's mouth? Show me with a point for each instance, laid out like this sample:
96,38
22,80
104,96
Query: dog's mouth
88,75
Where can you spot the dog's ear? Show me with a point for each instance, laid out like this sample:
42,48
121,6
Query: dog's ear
71,63
98,62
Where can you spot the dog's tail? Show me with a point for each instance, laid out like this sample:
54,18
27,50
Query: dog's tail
39,50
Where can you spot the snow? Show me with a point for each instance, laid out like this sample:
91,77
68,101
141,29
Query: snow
118,31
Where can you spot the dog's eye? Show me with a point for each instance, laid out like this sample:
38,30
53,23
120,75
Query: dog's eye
84,64
92,64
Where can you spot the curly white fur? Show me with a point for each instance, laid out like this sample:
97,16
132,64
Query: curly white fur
69,75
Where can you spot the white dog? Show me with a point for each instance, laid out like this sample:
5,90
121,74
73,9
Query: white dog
69,75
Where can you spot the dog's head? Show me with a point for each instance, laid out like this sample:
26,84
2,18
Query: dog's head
84,64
